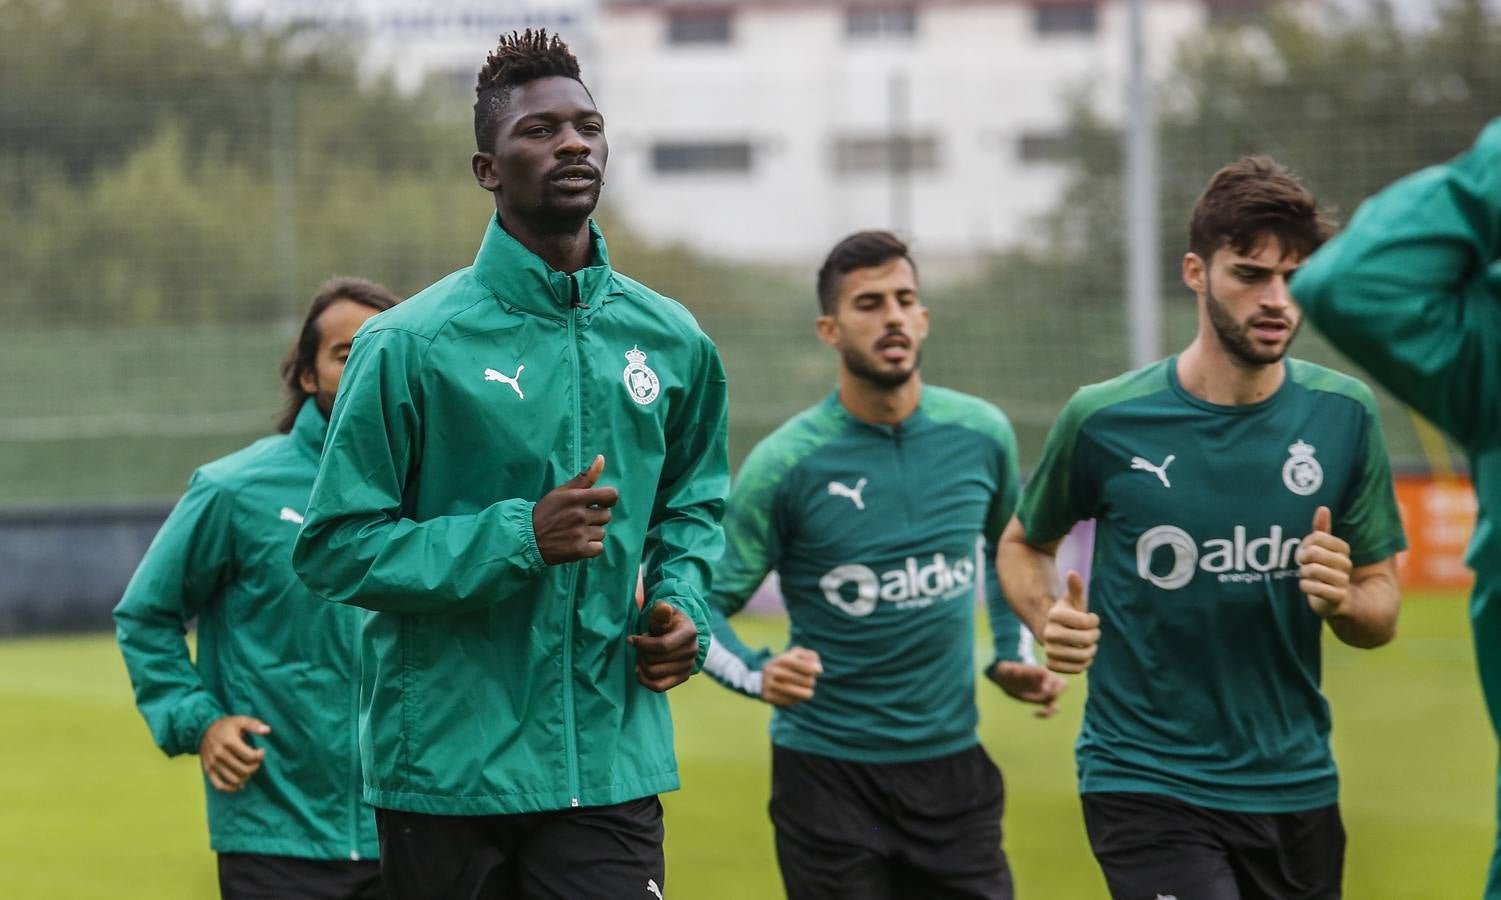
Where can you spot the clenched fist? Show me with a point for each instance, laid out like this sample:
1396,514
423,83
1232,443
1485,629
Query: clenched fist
225,756
569,522
1072,634
788,678
1324,566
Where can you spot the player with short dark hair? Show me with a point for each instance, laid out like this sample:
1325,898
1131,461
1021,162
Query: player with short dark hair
1242,500
269,705
509,449
1412,292
869,507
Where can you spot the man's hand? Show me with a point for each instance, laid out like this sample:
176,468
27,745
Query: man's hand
1072,634
226,758
569,522
1030,684
788,678
1324,566
664,656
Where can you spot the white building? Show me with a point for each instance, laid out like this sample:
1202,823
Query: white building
766,130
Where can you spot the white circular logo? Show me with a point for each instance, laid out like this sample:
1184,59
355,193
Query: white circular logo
1185,556
640,381
867,588
1301,472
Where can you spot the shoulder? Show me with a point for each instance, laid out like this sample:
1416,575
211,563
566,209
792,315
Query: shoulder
428,312
793,442
950,407
1092,399
1324,380
228,475
667,311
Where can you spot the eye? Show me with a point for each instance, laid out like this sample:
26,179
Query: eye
591,128
538,131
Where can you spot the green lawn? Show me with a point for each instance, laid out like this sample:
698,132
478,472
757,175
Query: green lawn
88,808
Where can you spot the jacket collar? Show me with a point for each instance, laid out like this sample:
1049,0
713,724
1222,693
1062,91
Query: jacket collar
309,429
521,280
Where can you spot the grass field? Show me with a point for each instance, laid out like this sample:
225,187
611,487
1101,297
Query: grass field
90,809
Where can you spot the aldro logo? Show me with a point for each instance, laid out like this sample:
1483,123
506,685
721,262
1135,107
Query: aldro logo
1231,560
856,589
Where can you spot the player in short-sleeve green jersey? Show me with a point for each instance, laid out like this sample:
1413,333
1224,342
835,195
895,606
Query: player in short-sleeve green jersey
868,507
1241,500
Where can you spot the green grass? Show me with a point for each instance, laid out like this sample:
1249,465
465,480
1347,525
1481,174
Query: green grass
90,809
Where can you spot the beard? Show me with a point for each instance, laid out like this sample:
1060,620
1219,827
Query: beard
1235,336
863,369
325,402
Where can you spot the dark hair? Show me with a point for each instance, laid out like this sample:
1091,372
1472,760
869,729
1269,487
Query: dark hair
303,357
1250,200
520,57
861,250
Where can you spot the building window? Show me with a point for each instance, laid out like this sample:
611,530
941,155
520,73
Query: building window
1043,147
701,157
1064,18
874,23
700,27
1235,13
856,155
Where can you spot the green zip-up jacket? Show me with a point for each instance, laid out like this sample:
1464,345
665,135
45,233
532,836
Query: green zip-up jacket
266,648
1412,291
493,683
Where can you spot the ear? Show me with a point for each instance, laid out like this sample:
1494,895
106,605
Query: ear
308,381
1193,272
484,171
828,330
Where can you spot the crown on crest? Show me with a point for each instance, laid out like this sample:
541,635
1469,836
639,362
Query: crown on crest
635,356
1301,448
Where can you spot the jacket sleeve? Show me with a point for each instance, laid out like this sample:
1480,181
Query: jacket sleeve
1011,641
1412,289
684,536
358,543
751,549
181,574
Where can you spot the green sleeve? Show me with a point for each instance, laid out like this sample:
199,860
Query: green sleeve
185,568
1412,290
684,536
1369,521
357,546
1062,491
752,548
1011,641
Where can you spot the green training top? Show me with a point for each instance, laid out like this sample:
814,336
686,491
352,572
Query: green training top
1206,684
872,531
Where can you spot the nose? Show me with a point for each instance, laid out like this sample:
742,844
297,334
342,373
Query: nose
896,313
1277,296
571,143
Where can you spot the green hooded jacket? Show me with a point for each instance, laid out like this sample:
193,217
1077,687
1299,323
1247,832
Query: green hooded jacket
266,648
493,683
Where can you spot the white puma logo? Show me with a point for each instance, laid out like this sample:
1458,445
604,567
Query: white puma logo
1160,471
492,375
851,493
651,885
288,514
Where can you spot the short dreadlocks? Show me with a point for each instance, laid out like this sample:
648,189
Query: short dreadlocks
520,57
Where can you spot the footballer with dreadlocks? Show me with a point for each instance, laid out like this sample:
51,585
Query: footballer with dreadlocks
509,448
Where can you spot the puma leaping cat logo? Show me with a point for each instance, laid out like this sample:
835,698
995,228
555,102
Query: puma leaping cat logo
850,493
492,375
1160,471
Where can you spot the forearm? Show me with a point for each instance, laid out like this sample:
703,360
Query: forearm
1028,575
1368,616
1010,638
169,692
730,662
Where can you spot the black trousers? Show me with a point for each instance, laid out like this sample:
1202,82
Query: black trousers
925,830
1149,845
588,853
257,876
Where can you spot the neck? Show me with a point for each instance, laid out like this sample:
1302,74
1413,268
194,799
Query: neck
1210,372
877,404
566,247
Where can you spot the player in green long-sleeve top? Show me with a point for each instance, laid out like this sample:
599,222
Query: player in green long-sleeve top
868,506
1412,292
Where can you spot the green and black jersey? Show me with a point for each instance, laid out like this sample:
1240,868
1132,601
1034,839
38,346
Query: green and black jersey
1206,685
872,530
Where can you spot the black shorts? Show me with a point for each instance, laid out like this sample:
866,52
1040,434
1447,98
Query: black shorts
929,829
258,876
602,852
1150,846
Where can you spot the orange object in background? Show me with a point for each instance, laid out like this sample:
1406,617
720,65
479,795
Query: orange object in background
1439,517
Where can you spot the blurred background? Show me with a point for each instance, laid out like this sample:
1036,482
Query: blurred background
178,176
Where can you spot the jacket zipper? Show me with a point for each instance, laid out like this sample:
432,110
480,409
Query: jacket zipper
569,748
352,646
